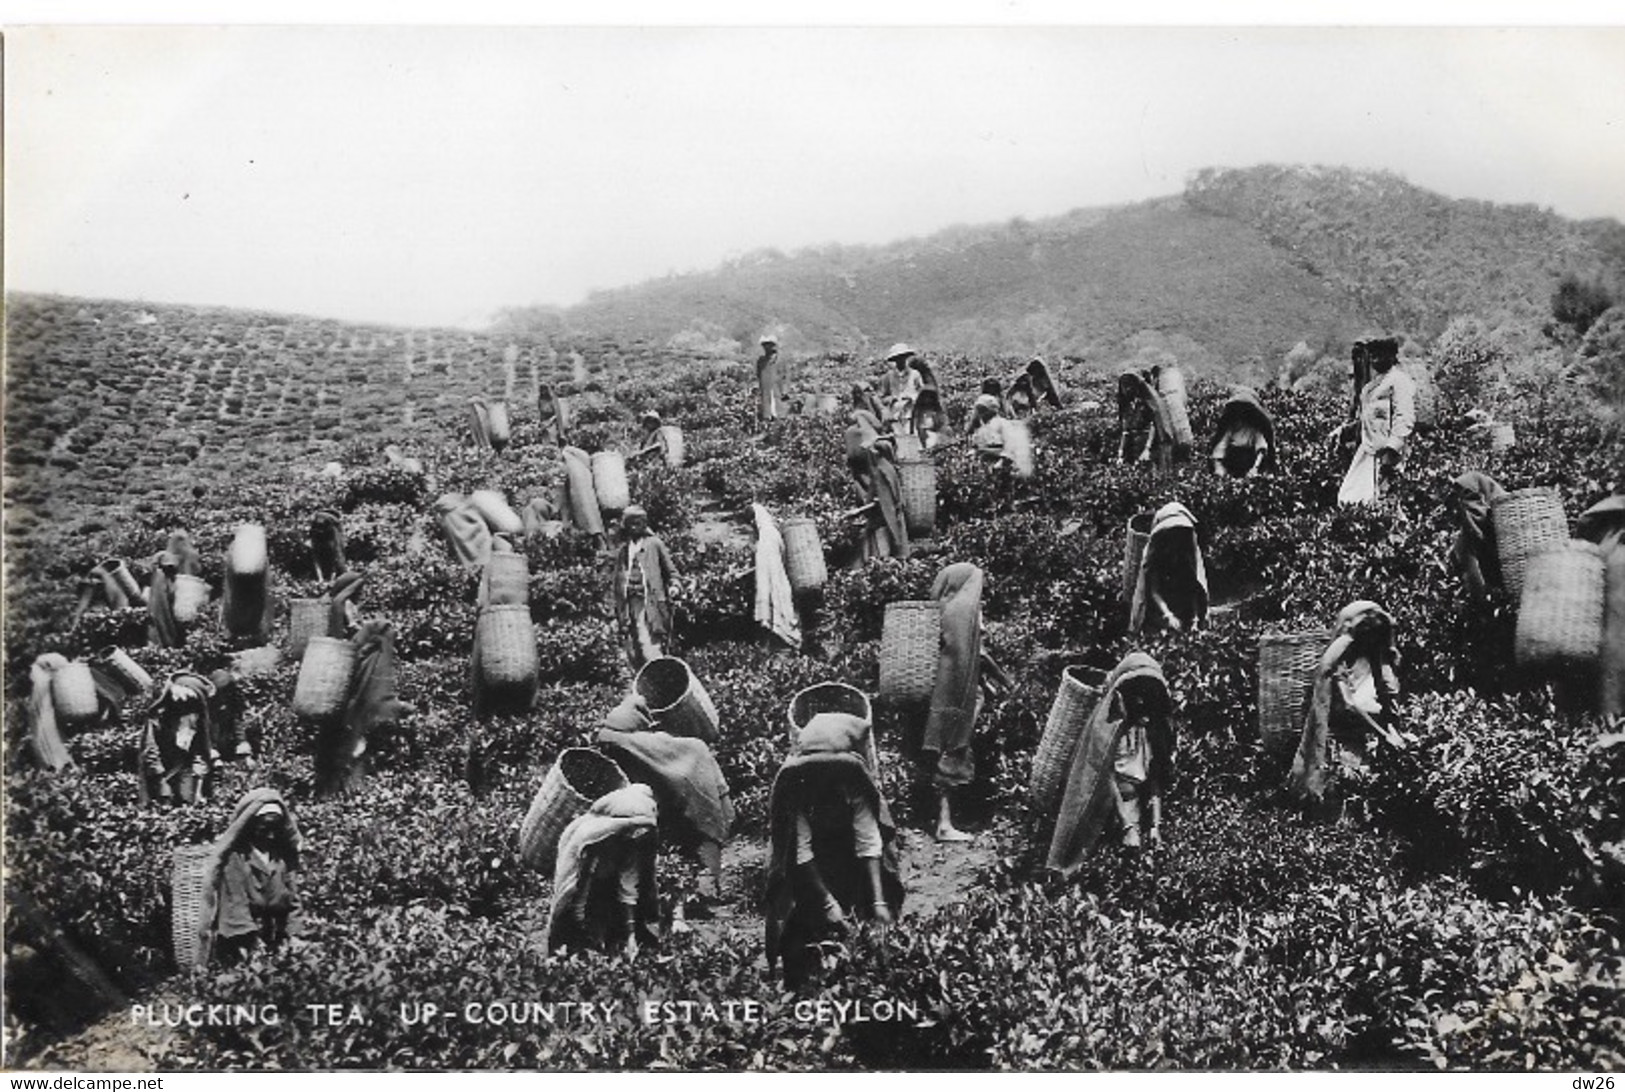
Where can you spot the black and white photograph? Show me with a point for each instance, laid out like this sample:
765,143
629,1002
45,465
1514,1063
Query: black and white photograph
719,541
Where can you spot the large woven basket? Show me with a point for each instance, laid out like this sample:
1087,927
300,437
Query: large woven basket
244,608
125,668
191,596
910,646
832,697
125,579
609,481
1560,613
675,449
908,446
677,699
248,552
580,776
187,895
1074,704
324,678
1528,522
505,582
918,478
1018,447
307,618
1286,675
1137,535
1171,385
507,648
497,424
804,555
73,693
494,509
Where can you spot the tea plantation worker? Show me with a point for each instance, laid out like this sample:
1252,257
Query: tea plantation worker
1145,421
466,530
256,897
226,707
863,398
554,410
604,892
373,704
490,423
1355,690
1604,524
327,545
1021,398
1042,384
833,844
644,582
928,419
1171,589
871,456
900,387
44,736
696,809
992,429
652,436
1474,553
1387,416
100,585
577,498
1121,766
178,750
956,698
1244,439
398,460
770,401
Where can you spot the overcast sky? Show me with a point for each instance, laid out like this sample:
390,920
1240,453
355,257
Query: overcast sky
431,175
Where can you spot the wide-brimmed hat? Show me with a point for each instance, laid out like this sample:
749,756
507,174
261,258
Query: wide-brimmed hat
900,349
987,401
769,339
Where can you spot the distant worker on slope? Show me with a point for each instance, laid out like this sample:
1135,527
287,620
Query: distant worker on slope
769,380
1387,414
900,388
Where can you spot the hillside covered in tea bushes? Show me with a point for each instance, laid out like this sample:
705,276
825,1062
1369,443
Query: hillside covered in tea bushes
1469,919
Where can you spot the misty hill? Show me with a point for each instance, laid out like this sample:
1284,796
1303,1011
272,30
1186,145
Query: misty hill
1239,268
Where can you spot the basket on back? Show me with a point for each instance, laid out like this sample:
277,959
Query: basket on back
918,478
674,448
244,608
1286,676
580,776
609,481
1528,522
118,662
307,618
1139,533
188,894
508,665
803,555
498,425
908,446
1074,704
1560,614
191,596
1171,385
125,579
494,509
324,678
505,581
678,701
832,697
1018,448
910,646
73,693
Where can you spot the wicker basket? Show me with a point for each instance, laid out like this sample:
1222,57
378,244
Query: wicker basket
804,555
505,581
579,777
1560,613
494,509
1528,522
1171,385
1286,675
125,668
188,892
324,678
247,553
497,425
675,449
1018,448
609,481
677,699
910,646
908,446
191,596
125,579
73,693
1073,706
1138,534
918,478
833,697
307,618
506,641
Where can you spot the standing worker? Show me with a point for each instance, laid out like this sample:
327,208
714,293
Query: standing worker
1387,414
769,380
